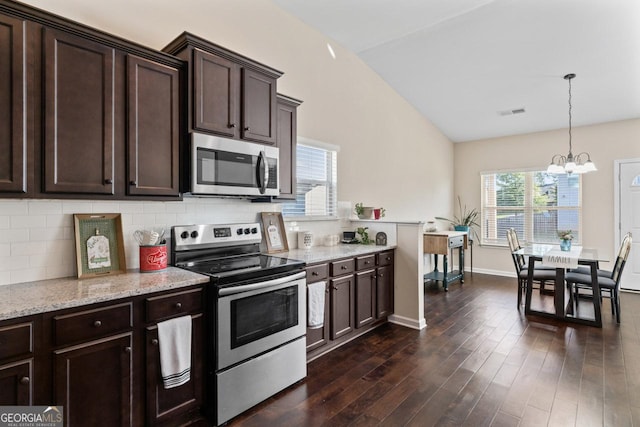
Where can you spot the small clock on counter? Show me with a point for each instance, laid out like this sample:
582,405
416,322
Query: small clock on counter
381,238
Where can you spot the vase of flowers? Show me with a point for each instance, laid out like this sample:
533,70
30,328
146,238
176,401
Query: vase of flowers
565,239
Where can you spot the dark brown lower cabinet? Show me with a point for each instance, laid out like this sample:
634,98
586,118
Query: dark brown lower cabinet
94,382
342,293
384,291
318,337
16,384
165,406
365,297
359,298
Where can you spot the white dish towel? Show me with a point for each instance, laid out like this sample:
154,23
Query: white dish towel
315,304
174,339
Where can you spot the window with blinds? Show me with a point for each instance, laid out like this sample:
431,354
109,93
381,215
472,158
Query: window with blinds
316,188
536,204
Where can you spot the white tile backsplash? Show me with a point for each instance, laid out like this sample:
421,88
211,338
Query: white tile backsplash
37,239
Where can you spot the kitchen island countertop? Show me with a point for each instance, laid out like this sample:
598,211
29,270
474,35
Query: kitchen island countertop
318,254
29,298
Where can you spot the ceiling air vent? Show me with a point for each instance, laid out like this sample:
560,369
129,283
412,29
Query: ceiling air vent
511,112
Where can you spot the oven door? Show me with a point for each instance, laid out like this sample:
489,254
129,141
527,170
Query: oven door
257,317
223,166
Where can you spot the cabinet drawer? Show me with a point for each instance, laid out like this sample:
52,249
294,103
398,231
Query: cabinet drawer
456,241
367,261
16,340
318,272
338,268
385,258
172,305
90,324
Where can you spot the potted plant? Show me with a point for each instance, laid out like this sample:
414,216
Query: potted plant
363,235
465,221
378,213
565,239
363,212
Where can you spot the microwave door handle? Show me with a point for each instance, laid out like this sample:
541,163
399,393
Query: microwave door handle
263,172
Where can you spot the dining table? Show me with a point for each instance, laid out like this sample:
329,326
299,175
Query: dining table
552,256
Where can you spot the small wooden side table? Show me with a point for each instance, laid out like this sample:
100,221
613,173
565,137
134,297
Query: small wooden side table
440,243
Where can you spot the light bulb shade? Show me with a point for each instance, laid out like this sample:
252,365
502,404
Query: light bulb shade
569,167
579,169
554,168
589,166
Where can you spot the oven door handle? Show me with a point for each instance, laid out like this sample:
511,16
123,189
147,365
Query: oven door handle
269,283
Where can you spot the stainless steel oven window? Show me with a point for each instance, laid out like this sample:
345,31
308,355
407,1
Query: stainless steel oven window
228,356
262,315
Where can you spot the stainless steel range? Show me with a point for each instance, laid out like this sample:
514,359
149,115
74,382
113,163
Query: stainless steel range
257,314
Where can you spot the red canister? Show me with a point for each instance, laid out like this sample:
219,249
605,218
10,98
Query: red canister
153,258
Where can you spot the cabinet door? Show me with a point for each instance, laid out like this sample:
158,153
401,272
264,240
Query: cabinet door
342,305
384,292
258,107
286,142
78,114
365,297
163,405
320,336
16,383
13,106
216,97
94,382
153,128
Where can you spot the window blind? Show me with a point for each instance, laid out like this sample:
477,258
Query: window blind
536,204
316,188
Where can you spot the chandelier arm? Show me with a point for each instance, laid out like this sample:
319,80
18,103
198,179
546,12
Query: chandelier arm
578,156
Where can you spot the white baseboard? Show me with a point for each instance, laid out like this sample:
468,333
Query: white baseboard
492,272
407,322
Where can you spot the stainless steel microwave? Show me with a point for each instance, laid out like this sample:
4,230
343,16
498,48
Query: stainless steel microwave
228,167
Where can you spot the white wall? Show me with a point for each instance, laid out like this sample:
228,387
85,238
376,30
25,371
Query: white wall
390,155
605,143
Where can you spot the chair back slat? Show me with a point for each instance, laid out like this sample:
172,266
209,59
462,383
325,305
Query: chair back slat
514,245
621,259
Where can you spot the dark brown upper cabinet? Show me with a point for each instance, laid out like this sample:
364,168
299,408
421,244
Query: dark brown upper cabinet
227,94
216,84
286,141
79,106
258,107
153,132
84,114
14,147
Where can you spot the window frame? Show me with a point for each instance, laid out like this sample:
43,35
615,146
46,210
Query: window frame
331,184
528,209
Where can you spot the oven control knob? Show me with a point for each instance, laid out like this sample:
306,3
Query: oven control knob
194,234
247,231
239,231
254,230
184,234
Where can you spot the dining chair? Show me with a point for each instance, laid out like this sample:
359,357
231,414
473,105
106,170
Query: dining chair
609,281
540,275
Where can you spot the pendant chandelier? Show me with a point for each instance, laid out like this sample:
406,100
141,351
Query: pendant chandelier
580,163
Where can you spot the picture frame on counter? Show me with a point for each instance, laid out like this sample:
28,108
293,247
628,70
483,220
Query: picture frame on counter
274,232
99,244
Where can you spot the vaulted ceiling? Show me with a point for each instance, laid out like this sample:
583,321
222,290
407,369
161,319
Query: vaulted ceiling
466,65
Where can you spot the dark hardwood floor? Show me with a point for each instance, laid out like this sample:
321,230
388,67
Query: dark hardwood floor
479,362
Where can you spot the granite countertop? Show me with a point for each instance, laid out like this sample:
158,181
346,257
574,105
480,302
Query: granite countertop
24,299
329,253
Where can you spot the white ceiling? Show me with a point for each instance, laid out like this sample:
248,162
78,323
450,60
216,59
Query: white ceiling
461,62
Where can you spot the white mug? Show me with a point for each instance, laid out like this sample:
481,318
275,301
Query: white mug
305,239
331,239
